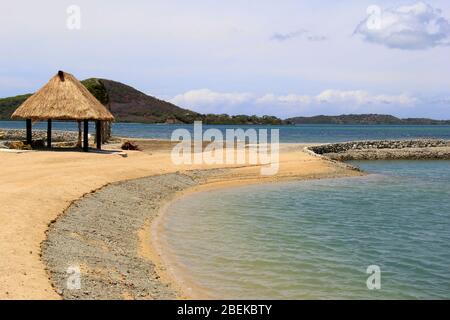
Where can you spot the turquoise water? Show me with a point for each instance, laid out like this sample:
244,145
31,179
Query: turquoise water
315,239
303,133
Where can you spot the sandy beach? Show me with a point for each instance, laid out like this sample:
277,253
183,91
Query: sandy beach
38,187
225,151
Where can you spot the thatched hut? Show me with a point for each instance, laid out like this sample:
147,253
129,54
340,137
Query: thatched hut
64,98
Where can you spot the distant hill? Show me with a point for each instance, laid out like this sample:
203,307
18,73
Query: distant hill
363,119
130,105
9,105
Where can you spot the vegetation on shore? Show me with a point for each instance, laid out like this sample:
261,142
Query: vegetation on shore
364,119
9,105
96,87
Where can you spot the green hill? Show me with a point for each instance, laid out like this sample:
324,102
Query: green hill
130,105
9,105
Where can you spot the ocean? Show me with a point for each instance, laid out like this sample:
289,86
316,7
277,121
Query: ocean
293,134
316,239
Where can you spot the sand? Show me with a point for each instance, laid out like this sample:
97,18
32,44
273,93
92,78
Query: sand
37,187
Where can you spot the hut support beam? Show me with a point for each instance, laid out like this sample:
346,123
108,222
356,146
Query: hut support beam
98,134
49,133
29,133
86,136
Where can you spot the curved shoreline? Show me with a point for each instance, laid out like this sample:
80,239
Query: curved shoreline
99,234
120,259
40,187
112,233
166,263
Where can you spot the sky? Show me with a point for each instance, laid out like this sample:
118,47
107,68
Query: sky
285,58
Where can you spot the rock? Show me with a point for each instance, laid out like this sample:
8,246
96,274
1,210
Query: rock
20,135
129,145
386,149
17,145
38,144
382,144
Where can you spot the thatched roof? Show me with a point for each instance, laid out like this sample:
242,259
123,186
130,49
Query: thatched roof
62,98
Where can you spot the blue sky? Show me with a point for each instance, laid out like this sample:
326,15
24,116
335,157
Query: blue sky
285,58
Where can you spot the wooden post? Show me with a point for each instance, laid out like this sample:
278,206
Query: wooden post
29,133
79,142
106,131
106,126
86,136
98,134
49,133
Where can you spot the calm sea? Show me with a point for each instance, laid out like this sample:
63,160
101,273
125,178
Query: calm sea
301,133
316,239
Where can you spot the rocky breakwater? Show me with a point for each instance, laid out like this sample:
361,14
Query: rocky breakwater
423,149
9,137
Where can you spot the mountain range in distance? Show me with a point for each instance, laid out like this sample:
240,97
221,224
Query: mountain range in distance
130,105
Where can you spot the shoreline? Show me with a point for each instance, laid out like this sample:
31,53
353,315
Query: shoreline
166,263
73,230
29,208
70,177
169,280
122,267
169,284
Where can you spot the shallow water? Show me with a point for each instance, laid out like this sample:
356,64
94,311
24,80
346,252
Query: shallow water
315,239
301,133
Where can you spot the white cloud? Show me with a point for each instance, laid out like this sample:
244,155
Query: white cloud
302,33
360,97
414,27
204,97
209,98
284,99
